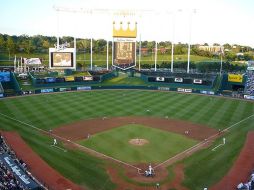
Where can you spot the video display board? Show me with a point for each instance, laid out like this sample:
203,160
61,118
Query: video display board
63,59
124,53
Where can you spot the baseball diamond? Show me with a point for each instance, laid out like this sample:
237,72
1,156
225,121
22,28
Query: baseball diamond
110,118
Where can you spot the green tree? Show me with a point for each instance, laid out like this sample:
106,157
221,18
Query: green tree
83,44
216,44
150,45
2,42
45,44
100,45
29,48
227,46
10,46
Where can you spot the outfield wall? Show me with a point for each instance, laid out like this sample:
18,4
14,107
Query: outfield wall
72,80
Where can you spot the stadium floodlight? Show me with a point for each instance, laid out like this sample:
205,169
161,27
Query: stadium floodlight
91,54
107,53
172,43
139,55
115,12
155,56
189,44
221,53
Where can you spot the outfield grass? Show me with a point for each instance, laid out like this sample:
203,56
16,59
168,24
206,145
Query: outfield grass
115,143
123,79
53,110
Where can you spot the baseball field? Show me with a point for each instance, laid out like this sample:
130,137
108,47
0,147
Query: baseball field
101,116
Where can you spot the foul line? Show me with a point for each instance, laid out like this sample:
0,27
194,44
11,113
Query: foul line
202,142
119,161
217,147
237,123
76,144
58,147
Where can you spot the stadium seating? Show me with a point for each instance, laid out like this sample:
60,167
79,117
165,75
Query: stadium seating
9,89
248,185
8,180
249,87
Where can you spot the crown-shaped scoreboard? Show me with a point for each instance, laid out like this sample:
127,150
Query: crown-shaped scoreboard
124,47
122,33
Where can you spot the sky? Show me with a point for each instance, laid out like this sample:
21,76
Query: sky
194,21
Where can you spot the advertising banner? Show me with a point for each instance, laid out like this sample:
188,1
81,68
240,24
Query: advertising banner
197,81
62,89
210,92
21,176
178,79
206,92
84,88
87,78
33,61
160,79
47,90
188,90
69,78
180,89
60,80
250,68
248,97
235,78
164,88
5,76
50,80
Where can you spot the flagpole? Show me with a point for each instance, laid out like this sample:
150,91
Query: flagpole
18,66
14,64
24,66
21,65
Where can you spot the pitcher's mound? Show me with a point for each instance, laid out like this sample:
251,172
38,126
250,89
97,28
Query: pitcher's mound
138,142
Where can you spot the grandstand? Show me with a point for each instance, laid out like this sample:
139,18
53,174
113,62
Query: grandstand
14,174
249,87
9,85
1,90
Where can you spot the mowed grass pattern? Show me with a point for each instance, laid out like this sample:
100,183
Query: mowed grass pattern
53,110
115,143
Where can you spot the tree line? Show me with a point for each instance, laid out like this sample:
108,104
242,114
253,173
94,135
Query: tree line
203,67
40,44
